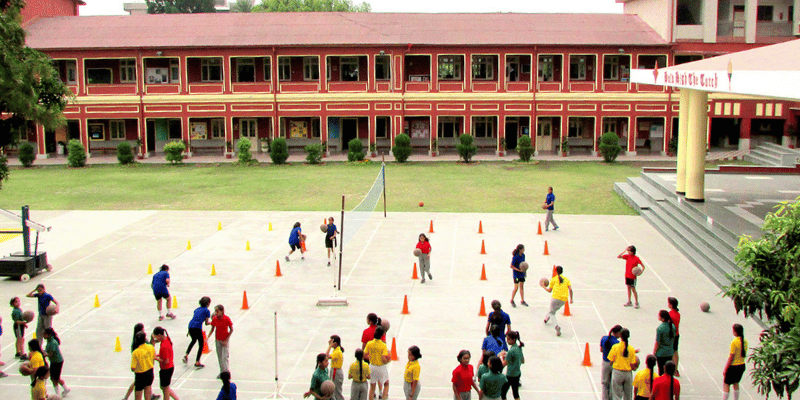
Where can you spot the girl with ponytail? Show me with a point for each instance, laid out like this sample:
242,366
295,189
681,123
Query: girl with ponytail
53,352
675,315
623,361
228,391
561,289
664,347
359,373
517,258
667,387
335,353
513,362
606,343
735,366
643,382
320,375
166,361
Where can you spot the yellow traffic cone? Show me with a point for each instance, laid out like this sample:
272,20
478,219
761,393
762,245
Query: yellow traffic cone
213,270
174,301
117,346
189,245
34,335
219,226
248,246
149,269
96,301
270,227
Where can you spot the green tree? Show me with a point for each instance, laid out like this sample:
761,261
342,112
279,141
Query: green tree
311,5
466,150
242,6
29,86
180,6
769,287
609,146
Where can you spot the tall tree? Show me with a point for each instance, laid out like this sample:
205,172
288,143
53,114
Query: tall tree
769,287
180,6
243,6
311,6
30,89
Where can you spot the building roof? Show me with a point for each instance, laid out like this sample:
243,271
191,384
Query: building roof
336,29
768,71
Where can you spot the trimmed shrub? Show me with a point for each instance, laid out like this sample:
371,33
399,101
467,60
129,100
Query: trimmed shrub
609,146
314,153
245,155
402,147
124,153
26,155
76,157
466,150
524,148
355,150
279,151
173,151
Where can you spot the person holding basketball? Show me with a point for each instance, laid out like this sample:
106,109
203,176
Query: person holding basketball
45,320
631,261
424,247
561,289
295,237
330,238
160,286
518,257
548,205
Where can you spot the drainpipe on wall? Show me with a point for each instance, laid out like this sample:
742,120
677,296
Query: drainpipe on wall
142,125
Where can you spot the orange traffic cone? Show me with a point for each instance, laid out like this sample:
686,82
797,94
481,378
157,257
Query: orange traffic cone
431,230
555,273
394,350
278,268
566,310
483,272
540,229
483,247
587,359
480,226
414,276
302,245
245,306
205,344
546,252
482,313
405,305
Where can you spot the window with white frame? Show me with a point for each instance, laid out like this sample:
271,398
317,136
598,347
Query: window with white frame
450,67
512,68
311,68
611,68
547,68
245,69
348,67
174,70
483,126
127,71
285,68
117,129
577,67
248,128
483,67
72,72
217,128
267,69
211,69
382,127
382,68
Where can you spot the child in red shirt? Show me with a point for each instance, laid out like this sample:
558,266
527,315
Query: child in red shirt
224,328
631,260
424,247
165,358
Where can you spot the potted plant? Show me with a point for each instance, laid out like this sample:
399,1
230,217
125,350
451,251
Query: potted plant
139,149
264,145
502,151
564,147
373,150
228,149
434,147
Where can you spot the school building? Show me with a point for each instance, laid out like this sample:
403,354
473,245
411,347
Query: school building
211,79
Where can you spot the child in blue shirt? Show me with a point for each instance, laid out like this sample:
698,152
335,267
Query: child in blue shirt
295,237
201,315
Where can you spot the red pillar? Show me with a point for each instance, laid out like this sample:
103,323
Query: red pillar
633,132
744,133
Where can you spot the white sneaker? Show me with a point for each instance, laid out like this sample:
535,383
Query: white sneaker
65,392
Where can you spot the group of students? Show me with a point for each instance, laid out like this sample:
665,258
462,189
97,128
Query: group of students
297,240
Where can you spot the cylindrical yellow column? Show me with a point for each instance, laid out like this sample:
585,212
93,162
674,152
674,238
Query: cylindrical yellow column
683,133
696,146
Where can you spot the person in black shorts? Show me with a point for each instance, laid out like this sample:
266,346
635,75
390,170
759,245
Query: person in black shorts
160,286
330,239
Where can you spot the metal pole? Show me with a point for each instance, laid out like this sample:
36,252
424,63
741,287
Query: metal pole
383,174
26,240
341,245
277,386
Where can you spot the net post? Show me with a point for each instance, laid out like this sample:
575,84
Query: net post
341,245
26,239
383,175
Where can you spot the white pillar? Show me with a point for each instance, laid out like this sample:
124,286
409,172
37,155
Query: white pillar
683,129
696,146
751,16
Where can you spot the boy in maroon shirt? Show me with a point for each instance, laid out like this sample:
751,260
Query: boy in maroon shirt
224,328
631,260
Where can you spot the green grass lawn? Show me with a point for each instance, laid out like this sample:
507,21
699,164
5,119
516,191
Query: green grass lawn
580,187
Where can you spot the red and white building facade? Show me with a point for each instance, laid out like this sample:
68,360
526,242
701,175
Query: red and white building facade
211,79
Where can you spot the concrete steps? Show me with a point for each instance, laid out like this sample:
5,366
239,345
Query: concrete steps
773,154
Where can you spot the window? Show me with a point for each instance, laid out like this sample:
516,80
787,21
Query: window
117,130
512,68
211,70
285,69
650,62
382,125
683,59
267,69
245,69
175,129
72,73
248,128
174,71
382,68
483,126
689,12
577,67
96,76
348,67
310,68
448,127
127,71
483,67
217,128
611,68
547,68
790,14
450,67
764,13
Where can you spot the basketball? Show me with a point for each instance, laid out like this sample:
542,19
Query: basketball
637,270
385,325
417,252
544,282
327,388
25,368
523,266
323,227
705,307
421,204
28,316
51,309
635,365
544,206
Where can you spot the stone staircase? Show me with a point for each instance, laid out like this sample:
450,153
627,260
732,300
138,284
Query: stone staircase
773,154
710,246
